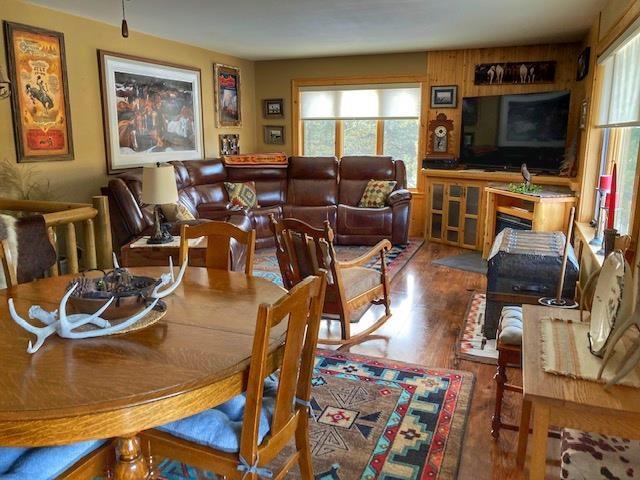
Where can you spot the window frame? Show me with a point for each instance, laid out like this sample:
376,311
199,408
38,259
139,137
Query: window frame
298,129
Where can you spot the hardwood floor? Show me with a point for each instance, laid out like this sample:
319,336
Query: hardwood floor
428,305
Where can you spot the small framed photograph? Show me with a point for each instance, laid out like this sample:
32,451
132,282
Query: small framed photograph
274,134
229,144
444,97
273,108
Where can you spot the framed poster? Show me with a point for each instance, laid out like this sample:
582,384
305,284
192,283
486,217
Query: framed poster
227,95
40,100
514,73
152,111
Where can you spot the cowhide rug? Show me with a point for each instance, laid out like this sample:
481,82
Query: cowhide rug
8,232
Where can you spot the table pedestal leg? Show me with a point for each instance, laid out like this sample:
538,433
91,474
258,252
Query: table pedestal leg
130,462
538,462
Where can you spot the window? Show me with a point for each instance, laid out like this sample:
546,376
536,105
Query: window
319,138
619,115
367,120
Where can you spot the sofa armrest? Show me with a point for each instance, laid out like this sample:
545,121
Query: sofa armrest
399,196
400,202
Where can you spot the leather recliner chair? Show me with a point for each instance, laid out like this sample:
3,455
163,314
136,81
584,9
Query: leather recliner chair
310,189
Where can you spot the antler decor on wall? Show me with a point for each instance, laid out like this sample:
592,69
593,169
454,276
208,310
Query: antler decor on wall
66,326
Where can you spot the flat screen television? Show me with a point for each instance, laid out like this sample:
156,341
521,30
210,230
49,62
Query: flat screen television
503,132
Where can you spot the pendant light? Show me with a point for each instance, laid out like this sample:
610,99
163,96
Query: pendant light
125,27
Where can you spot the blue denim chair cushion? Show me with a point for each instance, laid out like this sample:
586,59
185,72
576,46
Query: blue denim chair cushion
220,427
42,463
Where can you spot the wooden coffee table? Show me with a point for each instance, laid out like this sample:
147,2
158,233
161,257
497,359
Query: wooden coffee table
138,253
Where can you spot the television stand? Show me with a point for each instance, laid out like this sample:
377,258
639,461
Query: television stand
547,211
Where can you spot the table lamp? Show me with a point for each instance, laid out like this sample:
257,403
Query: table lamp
159,187
604,187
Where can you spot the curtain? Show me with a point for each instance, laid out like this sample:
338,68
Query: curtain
620,100
373,102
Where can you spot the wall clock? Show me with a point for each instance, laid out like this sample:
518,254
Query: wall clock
440,129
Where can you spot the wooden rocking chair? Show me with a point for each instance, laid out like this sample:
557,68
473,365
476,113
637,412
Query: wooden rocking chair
303,250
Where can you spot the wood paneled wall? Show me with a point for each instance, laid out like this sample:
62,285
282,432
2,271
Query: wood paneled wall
456,67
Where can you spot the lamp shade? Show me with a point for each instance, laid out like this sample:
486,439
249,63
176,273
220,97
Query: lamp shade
159,185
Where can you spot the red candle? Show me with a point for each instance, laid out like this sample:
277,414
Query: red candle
605,183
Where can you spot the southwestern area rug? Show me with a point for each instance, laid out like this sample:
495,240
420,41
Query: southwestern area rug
265,263
373,418
471,344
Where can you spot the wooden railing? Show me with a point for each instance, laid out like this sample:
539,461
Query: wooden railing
94,218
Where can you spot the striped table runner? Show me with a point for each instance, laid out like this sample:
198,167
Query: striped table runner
565,351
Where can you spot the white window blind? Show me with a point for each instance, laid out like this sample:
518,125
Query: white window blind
620,95
363,101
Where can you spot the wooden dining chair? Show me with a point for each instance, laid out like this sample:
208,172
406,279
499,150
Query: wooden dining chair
302,250
9,265
286,406
219,237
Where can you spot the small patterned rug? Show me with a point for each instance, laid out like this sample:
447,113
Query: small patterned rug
471,344
374,418
265,263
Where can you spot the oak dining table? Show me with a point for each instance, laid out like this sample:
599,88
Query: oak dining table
195,357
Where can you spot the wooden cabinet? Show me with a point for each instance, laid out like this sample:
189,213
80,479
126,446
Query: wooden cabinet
454,212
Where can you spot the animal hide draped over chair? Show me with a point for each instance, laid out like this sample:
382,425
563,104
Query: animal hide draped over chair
29,244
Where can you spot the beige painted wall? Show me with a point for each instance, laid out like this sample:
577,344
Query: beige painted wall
273,80
611,13
81,178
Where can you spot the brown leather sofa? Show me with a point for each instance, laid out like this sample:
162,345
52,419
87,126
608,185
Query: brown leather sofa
312,189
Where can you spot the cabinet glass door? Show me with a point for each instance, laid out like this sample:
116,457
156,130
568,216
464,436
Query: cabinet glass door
455,195
437,211
472,199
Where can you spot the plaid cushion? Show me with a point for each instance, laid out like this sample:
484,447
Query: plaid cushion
376,193
242,194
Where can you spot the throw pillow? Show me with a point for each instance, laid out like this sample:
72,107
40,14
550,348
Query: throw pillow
176,212
242,194
376,193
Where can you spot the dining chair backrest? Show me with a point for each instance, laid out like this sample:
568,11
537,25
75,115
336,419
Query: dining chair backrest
219,237
9,267
303,250
301,307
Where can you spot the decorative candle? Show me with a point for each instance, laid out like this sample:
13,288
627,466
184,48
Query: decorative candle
605,183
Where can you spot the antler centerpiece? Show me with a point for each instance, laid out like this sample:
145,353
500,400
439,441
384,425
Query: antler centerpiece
118,300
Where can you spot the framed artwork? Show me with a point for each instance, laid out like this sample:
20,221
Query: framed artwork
152,111
273,108
40,101
583,64
227,93
515,73
274,134
444,97
229,144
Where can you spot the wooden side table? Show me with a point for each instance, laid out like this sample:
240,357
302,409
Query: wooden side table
138,253
566,402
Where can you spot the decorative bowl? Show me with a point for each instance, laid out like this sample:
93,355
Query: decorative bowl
131,293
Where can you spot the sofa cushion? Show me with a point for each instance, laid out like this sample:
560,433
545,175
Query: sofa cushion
176,212
314,216
364,221
313,181
356,171
242,194
42,463
376,193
